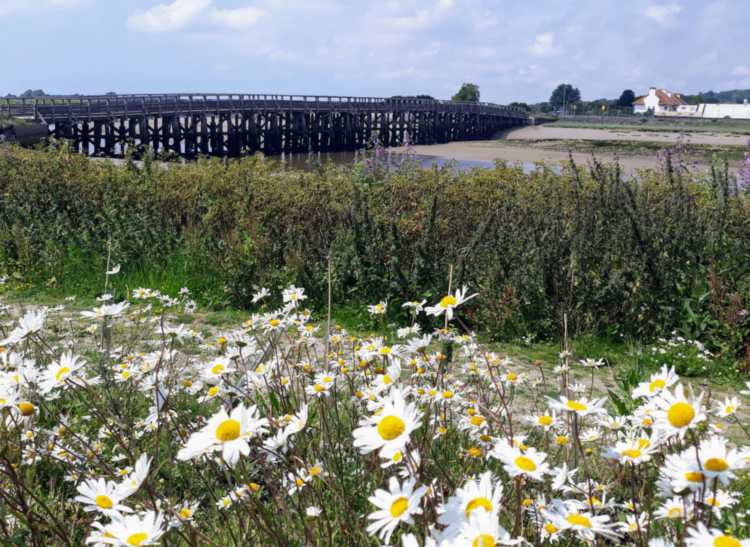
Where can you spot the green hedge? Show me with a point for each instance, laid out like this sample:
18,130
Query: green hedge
643,256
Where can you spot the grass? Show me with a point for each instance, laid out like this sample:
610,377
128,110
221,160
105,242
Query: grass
631,148
706,127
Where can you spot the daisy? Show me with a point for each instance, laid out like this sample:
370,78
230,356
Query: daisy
483,493
228,434
547,420
101,495
415,306
585,524
592,363
449,303
293,294
396,505
716,461
728,408
629,452
29,325
662,380
582,407
134,530
675,508
530,463
678,412
483,530
390,429
260,295
700,536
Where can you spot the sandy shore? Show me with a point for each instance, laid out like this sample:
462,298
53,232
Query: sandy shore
626,134
509,146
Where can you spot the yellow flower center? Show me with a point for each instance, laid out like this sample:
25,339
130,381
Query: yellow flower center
137,539
217,369
315,471
475,452
447,394
579,520
527,502
213,391
680,415
187,383
730,409
716,464
545,420
726,541
299,482
632,454
391,427
675,512
274,322
104,502
221,341
525,463
575,405
125,374
485,438
27,409
387,380
477,420
399,507
485,540
656,384
512,377
694,477
228,430
185,514
448,301
550,528
62,371
319,388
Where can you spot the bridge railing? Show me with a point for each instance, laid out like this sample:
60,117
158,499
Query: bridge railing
48,109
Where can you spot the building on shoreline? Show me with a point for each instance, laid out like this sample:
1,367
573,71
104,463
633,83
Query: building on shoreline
665,103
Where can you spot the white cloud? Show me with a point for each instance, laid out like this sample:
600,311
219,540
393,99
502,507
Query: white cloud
663,14
445,4
236,18
181,13
544,46
741,70
166,18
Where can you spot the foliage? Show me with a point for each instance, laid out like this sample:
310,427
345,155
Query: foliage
627,98
424,97
521,105
588,242
564,94
468,93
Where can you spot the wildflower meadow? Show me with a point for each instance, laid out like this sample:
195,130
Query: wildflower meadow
380,405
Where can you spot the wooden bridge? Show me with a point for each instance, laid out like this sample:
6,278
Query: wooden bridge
228,125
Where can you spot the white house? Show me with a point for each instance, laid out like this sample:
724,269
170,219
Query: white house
734,111
659,100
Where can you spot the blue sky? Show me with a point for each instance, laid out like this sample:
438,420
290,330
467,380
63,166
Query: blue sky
514,50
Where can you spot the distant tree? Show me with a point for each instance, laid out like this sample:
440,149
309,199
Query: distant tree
111,93
627,98
711,100
423,97
564,94
698,99
521,105
33,93
468,93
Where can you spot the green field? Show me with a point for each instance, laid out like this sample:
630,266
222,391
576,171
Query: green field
687,127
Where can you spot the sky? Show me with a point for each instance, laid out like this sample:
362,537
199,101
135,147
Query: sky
514,50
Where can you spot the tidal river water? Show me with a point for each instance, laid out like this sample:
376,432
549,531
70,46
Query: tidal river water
302,161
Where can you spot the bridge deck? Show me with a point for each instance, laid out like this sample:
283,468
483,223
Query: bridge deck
191,124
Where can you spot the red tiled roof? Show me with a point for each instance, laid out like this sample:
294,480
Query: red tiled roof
664,99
